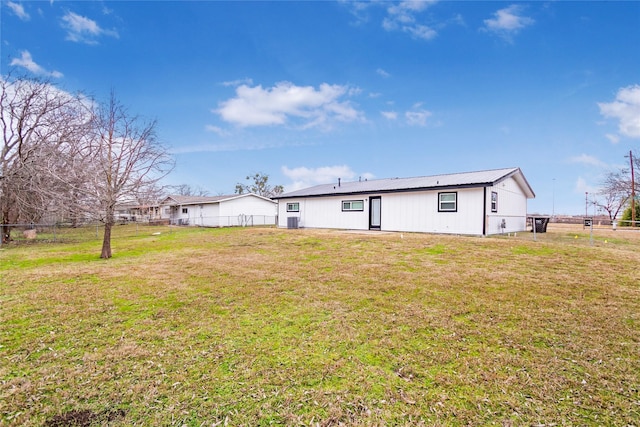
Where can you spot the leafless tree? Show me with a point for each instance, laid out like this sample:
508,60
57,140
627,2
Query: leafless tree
614,192
36,119
126,159
188,190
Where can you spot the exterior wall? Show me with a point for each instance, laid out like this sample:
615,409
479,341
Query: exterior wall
205,215
418,211
248,210
249,205
512,208
409,211
325,212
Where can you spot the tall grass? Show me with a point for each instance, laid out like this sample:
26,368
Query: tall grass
302,327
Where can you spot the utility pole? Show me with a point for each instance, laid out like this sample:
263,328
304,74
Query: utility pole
633,191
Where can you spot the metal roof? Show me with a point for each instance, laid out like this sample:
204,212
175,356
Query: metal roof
199,200
446,181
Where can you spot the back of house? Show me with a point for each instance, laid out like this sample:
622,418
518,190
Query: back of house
474,203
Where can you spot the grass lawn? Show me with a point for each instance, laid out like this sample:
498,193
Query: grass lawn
261,326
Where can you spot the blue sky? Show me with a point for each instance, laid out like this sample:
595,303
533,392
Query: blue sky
309,92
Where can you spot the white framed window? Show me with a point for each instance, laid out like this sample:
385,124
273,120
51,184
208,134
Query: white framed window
448,202
293,207
185,210
494,201
352,205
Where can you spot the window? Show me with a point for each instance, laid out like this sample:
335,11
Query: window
447,202
494,201
352,205
293,207
185,210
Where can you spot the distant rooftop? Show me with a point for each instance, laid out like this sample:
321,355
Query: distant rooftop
197,200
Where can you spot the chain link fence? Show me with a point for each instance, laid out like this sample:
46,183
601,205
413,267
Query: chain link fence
21,234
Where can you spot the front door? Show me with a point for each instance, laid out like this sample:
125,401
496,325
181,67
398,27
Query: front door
375,204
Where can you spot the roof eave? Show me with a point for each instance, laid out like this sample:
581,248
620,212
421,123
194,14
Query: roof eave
398,190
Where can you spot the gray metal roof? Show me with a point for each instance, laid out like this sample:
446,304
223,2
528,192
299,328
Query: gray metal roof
447,181
200,200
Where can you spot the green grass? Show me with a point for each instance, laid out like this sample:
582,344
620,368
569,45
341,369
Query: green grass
300,327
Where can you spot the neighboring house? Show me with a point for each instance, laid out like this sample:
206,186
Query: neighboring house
475,203
124,212
219,211
135,212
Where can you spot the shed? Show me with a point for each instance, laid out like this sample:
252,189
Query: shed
474,203
219,211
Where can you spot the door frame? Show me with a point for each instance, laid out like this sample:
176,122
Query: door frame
371,211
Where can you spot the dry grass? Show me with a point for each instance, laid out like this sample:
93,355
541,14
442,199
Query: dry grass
311,327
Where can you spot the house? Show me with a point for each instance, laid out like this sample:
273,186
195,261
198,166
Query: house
474,203
219,211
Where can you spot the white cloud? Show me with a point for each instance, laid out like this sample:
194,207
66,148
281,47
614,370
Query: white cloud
304,177
18,10
238,82
402,17
217,130
626,109
390,115
614,139
585,159
383,73
256,106
226,147
581,187
26,61
359,10
418,117
84,30
508,21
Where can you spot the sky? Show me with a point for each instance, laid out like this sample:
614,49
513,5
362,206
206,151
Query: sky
311,91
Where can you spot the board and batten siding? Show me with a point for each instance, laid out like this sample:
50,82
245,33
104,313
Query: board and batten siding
512,208
325,212
417,211
407,211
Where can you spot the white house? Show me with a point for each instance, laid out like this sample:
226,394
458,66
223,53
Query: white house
219,211
474,203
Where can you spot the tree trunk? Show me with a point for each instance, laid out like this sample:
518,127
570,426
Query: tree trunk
106,241
6,233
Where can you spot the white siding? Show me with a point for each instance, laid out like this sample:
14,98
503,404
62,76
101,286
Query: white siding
325,212
207,215
409,211
418,211
249,205
244,210
512,208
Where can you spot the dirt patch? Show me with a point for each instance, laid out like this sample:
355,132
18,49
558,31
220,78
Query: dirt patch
84,418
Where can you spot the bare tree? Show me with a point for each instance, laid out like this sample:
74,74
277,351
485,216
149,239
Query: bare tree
188,190
617,189
126,159
615,193
36,119
260,186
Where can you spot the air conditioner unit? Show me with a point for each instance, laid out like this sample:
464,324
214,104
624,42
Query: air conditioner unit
292,222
